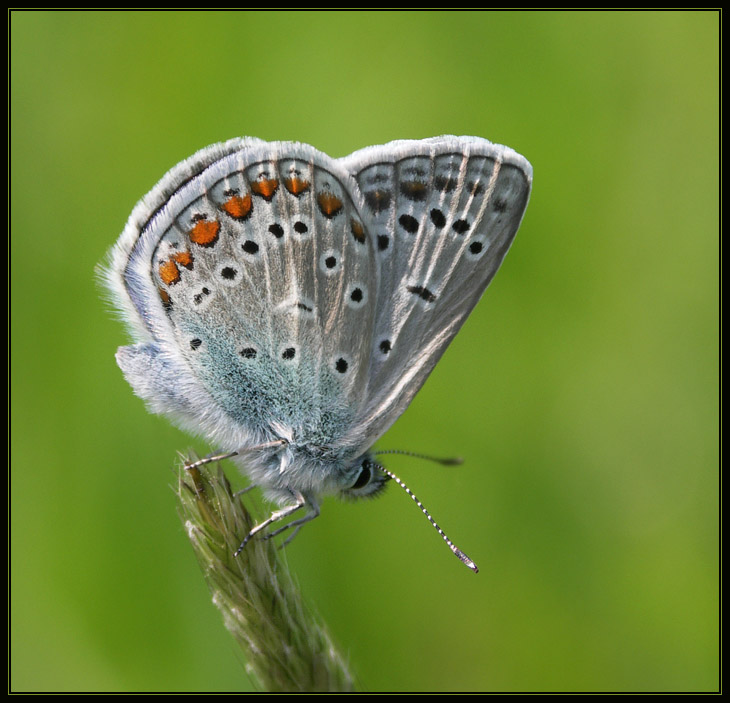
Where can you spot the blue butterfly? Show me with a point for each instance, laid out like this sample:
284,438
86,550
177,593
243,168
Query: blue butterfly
288,306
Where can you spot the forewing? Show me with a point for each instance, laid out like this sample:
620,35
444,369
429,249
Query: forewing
443,213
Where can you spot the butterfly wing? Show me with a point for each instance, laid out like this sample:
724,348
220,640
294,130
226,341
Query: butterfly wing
443,213
247,274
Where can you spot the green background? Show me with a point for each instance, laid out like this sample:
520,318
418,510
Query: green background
583,390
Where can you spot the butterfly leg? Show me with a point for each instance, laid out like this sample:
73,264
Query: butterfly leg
220,457
243,491
208,459
296,524
274,517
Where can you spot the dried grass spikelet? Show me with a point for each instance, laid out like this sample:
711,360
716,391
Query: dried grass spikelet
286,646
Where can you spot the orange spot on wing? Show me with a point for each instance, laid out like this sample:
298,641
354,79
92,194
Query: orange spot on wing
378,200
296,186
165,297
184,258
238,207
414,190
205,232
265,188
329,204
358,231
169,272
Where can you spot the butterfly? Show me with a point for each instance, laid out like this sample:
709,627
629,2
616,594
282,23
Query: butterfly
288,306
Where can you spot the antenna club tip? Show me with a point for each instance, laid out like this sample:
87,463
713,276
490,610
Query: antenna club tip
465,560
452,461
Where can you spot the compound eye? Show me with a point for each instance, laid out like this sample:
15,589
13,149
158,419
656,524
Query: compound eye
363,477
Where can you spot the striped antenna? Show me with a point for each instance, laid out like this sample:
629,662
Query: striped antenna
460,555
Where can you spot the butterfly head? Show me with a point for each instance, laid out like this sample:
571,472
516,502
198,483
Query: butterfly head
365,478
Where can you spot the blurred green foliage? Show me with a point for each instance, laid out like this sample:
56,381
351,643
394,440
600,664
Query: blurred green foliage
582,392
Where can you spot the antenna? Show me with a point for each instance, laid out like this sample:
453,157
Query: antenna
460,555
449,461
